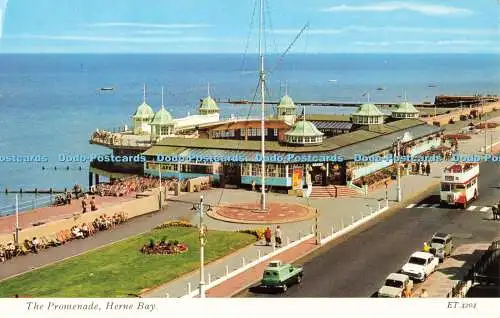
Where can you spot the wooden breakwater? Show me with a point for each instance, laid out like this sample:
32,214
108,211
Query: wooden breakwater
34,191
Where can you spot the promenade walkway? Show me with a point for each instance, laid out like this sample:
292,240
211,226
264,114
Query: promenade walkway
454,268
54,213
334,214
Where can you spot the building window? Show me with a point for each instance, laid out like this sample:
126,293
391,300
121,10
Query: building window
246,169
275,131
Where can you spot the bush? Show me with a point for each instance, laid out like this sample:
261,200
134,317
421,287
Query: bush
456,136
258,233
152,242
174,224
163,240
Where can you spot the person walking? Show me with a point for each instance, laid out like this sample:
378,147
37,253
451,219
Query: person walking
277,236
267,236
84,205
428,169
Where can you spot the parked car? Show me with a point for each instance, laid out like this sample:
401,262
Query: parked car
420,265
442,244
278,275
394,286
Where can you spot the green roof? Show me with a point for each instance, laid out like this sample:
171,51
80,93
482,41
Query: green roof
274,146
144,111
208,103
393,126
368,110
406,107
162,117
304,128
163,150
328,117
286,102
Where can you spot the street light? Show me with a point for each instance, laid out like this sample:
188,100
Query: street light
316,227
203,240
397,152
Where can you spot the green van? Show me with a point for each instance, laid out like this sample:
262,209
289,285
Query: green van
278,275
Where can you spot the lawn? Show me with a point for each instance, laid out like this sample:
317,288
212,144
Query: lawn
121,269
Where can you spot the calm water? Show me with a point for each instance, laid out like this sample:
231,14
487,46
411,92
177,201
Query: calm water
50,103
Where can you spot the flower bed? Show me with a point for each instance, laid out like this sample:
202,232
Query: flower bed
173,224
489,125
456,136
373,178
164,247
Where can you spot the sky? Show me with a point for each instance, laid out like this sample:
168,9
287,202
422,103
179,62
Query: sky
230,26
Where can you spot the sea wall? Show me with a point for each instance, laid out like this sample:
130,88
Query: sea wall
132,208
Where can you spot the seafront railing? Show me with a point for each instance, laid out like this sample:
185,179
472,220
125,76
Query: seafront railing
26,205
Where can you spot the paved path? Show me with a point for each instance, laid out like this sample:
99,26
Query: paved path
54,213
452,269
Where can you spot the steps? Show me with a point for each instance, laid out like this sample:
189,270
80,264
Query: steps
333,191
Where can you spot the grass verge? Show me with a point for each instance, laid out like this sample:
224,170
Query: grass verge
121,269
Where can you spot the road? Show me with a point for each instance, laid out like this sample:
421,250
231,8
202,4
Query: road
357,266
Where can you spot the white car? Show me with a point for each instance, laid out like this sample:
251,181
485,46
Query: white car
420,265
394,286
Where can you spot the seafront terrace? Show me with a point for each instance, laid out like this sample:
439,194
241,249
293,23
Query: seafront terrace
122,139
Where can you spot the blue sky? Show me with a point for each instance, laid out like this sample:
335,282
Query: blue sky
206,26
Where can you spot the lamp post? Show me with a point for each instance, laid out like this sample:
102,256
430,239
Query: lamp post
316,227
203,240
159,178
17,221
397,148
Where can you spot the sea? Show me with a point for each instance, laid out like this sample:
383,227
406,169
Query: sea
51,103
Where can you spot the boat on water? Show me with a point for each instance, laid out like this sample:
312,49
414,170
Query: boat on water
106,88
380,89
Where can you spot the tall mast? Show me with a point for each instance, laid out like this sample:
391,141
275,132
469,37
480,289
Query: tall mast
262,126
162,101
144,93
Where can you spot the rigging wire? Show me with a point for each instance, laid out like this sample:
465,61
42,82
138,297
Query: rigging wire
247,44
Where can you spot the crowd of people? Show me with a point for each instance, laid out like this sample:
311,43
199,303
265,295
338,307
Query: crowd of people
102,223
118,188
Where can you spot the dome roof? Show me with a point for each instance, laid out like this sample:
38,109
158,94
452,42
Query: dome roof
144,111
368,110
286,102
304,128
162,117
208,103
406,107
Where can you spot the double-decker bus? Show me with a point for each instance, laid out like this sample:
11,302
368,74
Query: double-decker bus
459,184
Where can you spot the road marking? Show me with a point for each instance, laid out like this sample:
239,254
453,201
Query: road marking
486,208
472,208
411,206
435,205
423,206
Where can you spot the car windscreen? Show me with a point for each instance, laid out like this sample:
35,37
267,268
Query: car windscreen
394,283
437,241
416,260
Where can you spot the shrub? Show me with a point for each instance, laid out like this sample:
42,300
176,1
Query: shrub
258,233
173,224
163,240
152,242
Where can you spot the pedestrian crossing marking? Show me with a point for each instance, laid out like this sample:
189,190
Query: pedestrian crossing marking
437,205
